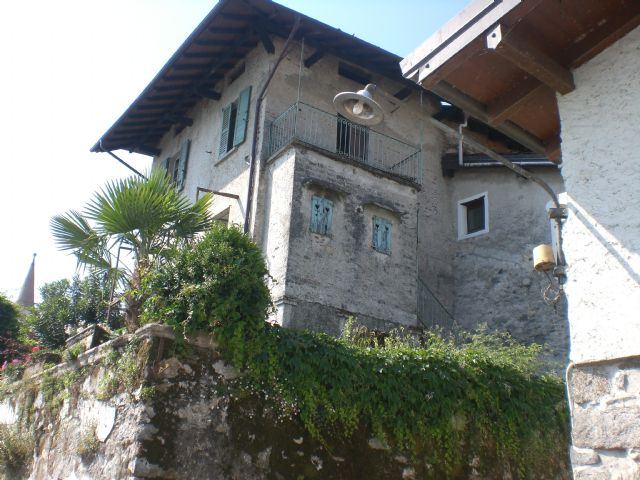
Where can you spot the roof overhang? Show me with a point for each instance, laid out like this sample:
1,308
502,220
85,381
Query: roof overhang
504,61
223,38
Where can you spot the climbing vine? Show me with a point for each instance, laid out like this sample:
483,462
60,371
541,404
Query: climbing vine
444,402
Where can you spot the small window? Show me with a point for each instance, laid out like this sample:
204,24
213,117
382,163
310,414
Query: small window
321,215
176,166
381,235
235,117
473,216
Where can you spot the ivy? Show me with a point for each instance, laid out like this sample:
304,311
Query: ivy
445,402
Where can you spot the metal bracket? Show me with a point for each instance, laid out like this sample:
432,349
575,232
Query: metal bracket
560,273
562,212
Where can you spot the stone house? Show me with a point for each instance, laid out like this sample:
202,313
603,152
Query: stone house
567,73
375,222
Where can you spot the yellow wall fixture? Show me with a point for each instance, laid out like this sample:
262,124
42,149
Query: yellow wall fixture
543,258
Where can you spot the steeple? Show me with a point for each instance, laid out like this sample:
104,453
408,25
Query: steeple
27,293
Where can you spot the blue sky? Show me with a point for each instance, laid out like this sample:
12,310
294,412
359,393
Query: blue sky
71,67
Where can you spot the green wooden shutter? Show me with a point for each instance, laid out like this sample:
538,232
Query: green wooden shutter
182,165
224,134
166,164
381,235
321,215
327,216
242,116
316,214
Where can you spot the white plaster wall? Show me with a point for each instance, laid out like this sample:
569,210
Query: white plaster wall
206,169
601,169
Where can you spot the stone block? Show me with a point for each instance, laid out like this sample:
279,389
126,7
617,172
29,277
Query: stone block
615,426
588,384
584,456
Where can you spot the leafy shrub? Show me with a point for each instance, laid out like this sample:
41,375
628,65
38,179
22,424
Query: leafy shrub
219,281
16,450
67,305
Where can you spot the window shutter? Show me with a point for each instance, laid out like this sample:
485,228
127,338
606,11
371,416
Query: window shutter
167,164
224,135
182,165
316,214
242,116
327,216
381,235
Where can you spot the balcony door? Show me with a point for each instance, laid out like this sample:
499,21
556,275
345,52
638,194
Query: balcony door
352,140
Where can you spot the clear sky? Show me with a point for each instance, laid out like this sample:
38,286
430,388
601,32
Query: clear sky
71,67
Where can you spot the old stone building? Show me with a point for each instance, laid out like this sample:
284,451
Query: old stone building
565,74
375,222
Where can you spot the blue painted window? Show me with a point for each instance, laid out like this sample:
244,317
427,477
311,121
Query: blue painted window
382,235
321,215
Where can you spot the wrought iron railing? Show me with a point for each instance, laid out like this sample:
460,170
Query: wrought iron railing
340,137
431,312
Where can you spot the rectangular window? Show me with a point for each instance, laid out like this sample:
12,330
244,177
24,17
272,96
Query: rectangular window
235,117
321,215
352,140
473,216
176,166
381,235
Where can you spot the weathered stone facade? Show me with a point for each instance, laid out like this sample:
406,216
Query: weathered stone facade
319,280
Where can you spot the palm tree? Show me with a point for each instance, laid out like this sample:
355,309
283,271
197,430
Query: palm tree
147,217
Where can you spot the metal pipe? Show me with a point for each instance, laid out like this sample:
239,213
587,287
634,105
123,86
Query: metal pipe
256,122
520,171
460,138
214,192
121,161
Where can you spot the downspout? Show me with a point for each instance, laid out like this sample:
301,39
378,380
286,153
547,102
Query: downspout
560,269
256,122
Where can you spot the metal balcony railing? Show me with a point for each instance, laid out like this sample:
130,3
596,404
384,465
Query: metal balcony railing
338,136
431,312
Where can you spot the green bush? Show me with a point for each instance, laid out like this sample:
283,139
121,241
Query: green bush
16,450
216,283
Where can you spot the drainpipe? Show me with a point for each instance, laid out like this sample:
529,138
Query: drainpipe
256,122
556,213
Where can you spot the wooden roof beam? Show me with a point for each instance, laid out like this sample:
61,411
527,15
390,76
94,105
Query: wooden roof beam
509,103
479,111
206,93
313,58
263,33
520,52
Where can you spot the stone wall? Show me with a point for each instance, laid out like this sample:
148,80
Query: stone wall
601,158
131,409
329,277
494,279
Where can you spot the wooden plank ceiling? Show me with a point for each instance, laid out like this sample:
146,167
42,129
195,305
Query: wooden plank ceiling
225,36
508,76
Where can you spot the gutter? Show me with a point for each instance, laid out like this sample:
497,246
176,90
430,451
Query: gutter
256,124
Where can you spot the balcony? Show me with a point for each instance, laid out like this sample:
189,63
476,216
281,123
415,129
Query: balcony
341,138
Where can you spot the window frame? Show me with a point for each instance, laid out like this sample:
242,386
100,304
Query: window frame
463,231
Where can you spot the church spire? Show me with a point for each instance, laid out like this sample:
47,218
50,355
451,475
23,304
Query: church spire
27,293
